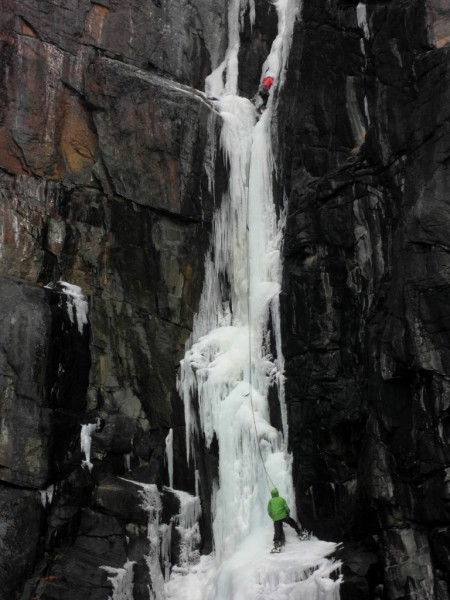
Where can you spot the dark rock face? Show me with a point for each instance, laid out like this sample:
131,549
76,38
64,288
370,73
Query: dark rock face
20,529
366,286
25,324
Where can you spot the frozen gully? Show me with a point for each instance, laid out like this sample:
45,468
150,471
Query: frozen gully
229,365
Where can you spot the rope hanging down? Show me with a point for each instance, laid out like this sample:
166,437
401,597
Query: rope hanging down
268,479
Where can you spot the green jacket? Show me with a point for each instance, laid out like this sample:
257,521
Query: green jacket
277,507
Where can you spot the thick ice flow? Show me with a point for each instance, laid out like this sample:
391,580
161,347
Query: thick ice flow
233,360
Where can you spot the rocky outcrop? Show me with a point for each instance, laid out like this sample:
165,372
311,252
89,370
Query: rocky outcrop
365,288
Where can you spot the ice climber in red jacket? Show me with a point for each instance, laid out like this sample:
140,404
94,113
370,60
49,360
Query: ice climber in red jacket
264,89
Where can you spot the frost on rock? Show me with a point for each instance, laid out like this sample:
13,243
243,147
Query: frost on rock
159,535
121,580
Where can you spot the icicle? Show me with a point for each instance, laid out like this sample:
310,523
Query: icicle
127,458
169,455
47,495
121,580
197,482
366,110
361,17
85,441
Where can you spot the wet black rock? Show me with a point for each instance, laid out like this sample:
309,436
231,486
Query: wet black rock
365,277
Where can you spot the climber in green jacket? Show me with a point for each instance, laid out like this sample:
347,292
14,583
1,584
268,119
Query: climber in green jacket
279,512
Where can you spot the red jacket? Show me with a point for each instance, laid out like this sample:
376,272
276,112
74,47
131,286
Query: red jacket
267,83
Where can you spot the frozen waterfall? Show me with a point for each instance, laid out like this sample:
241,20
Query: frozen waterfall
233,360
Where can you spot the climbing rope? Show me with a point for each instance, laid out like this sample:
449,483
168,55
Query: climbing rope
268,479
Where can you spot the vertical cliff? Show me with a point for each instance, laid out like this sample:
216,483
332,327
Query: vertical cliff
105,183
366,288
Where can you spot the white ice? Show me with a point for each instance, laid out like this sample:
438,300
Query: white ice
300,572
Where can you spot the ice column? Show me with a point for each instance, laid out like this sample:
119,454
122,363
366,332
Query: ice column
85,443
86,440
169,455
